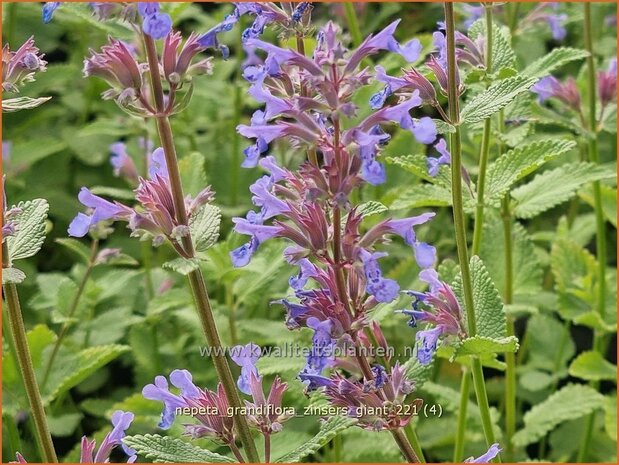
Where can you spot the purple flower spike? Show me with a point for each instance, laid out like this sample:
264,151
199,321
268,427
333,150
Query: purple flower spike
428,340
246,357
487,457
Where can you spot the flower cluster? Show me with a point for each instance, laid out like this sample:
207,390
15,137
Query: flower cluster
155,23
20,66
309,101
212,409
155,216
118,64
439,307
121,421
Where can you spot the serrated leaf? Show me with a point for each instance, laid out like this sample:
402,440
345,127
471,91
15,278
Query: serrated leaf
30,233
422,195
418,372
415,164
328,430
204,227
555,59
556,186
182,265
76,247
609,201
22,103
480,345
514,165
495,98
12,276
371,208
489,313
71,369
571,402
164,449
591,366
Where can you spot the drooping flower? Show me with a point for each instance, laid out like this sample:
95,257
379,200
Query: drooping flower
550,87
434,163
101,210
493,451
246,357
180,379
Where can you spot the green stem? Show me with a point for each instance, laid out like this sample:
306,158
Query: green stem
485,146
24,360
513,8
94,248
465,388
594,157
353,23
231,307
409,430
458,213
337,448
196,279
12,433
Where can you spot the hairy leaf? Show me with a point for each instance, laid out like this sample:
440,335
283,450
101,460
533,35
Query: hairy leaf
480,345
555,59
571,402
12,276
496,97
328,430
182,265
553,187
520,162
30,233
204,226
489,311
164,449
22,103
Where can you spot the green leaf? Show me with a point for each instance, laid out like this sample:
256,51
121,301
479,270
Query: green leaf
422,195
526,267
571,402
182,265
204,227
610,417
72,369
489,312
554,187
114,192
328,430
192,173
22,103
418,372
30,233
520,162
76,247
480,345
495,98
272,365
609,201
591,366
415,164
371,208
554,60
575,272
12,276
550,343
165,449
